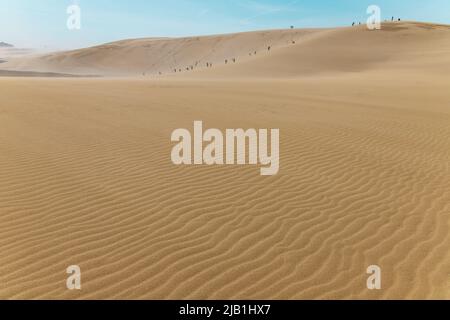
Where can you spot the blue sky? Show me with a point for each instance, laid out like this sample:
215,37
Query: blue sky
42,23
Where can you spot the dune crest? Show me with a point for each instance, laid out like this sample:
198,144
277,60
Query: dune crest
160,55
276,53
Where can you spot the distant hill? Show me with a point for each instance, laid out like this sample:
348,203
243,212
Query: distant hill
5,45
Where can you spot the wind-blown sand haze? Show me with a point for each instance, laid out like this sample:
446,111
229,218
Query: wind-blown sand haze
86,176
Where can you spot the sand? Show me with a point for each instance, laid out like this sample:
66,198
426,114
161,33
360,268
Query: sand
86,177
27,74
153,56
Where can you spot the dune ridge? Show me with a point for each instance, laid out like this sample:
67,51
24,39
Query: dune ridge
293,53
136,57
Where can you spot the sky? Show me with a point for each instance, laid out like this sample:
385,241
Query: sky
42,24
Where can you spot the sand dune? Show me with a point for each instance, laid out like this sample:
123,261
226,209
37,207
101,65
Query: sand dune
397,47
152,56
293,53
11,73
86,176
8,53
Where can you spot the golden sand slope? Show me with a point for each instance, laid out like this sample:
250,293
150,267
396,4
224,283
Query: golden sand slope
293,53
152,56
406,46
86,179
